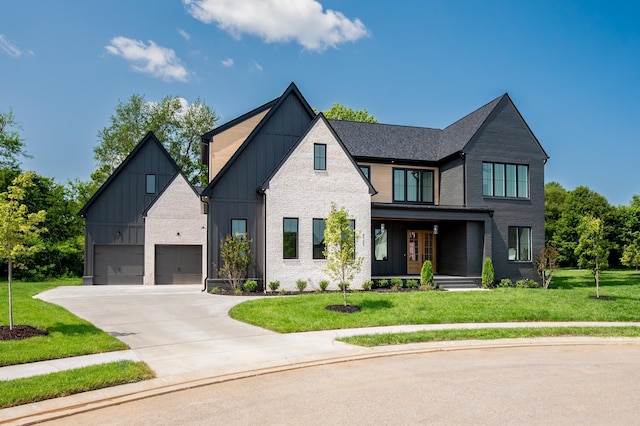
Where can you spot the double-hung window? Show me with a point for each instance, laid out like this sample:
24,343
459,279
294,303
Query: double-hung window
519,243
319,156
412,186
505,180
290,238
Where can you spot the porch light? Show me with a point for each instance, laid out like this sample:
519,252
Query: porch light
382,226
435,229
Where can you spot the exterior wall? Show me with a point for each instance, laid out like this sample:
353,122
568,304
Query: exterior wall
452,183
176,219
505,138
382,180
299,191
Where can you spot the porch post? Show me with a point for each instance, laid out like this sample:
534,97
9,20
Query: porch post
488,238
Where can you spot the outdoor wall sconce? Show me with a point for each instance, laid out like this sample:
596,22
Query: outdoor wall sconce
435,229
118,234
382,226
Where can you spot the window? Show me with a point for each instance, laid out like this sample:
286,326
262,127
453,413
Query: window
366,171
238,227
505,180
150,184
318,238
380,245
519,243
290,238
319,156
412,186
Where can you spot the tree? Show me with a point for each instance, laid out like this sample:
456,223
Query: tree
340,248
235,252
554,205
488,273
631,256
592,249
19,230
426,275
546,264
341,112
177,125
11,144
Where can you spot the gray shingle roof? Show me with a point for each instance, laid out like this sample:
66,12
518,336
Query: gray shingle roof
410,143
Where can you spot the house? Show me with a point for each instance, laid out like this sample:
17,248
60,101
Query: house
144,225
454,196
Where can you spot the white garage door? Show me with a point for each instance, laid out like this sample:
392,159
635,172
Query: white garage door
178,264
118,264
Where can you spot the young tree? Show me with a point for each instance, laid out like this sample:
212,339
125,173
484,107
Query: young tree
546,264
235,252
177,125
341,112
593,248
11,144
488,273
19,230
631,256
340,248
426,275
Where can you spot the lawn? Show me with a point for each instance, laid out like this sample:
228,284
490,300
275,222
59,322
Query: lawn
68,334
570,298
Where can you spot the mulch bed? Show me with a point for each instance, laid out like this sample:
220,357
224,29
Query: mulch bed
20,332
349,309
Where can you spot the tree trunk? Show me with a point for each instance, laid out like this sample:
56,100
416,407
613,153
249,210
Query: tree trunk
597,280
9,267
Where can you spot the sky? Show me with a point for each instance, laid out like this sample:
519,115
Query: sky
571,67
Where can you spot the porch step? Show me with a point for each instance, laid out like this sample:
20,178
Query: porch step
458,282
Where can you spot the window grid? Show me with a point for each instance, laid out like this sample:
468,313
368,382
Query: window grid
413,186
505,180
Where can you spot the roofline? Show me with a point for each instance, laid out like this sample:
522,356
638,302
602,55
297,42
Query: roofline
528,128
179,173
149,136
211,133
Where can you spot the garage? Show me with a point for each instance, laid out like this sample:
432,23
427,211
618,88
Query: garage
118,264
178,264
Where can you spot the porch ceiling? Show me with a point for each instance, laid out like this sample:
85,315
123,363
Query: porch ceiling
429,212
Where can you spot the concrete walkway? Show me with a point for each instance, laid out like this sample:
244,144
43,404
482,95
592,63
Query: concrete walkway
188,339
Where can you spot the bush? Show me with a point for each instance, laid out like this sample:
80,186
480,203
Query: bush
215,290
343,286
274,285
323,284
396,284
527,283
282,292
366,286
237,291
505,282
411,284
301,284
426,274
382,283
488,274
250,286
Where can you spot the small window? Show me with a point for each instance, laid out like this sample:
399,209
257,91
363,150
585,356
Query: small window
519,243
150,184
366,171
318,238
238,227
290,238
319,156
380,245
413,186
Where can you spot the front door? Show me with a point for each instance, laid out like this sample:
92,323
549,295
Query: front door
421,246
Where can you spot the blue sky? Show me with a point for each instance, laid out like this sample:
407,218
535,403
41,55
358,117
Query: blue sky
571,67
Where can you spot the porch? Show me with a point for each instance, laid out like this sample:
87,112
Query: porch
446,282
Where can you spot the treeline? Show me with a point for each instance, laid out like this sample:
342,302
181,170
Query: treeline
565,212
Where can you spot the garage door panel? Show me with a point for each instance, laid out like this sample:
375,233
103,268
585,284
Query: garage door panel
178,264
118,264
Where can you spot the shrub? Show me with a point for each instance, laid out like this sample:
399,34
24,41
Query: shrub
366,286
505,282
411,284
488,274
301,284
382,283
215,290
237,291
323,284
396,282
250,286
282,292
527,283
274,285
343,286
426,274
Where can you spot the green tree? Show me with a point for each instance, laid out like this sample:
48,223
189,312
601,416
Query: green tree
12,145
176,125
19,230
555,197
235,252
426,275
340,248
592,249
488,274
546,264
631,256
341,112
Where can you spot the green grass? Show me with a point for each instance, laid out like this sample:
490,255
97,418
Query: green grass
68,334
38,388
370,340
568,299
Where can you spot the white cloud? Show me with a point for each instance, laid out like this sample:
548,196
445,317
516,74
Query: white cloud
257,66
149,59
228,62
185,35
280,21
11,49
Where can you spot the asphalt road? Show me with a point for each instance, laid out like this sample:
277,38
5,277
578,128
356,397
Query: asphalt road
547,385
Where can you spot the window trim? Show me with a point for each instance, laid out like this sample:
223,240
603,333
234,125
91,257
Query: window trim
147,178
420,190
320,162
297,239
518,230
505,183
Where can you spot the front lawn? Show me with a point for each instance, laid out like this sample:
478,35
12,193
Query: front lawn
68,334
568,299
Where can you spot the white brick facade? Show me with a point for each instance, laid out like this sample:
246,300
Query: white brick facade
298,191
175,218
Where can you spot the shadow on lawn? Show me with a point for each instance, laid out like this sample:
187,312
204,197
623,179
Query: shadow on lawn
609,278
73,329
375,304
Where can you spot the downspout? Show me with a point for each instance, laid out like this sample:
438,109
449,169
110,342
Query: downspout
205,199
264,243
464,179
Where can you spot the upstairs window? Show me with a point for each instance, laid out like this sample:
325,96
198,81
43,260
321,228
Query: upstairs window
505,180
366,171
150,184
412,186
238,227
319,156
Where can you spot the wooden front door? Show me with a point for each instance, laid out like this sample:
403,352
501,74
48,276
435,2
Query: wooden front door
421,246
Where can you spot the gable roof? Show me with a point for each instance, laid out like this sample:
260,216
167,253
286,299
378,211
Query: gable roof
319,117
193,188
273,108
150,137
